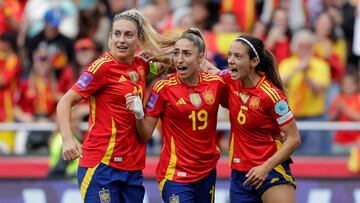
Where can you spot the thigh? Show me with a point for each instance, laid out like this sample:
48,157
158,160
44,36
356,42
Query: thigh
173,192
133,190
96,184
284,193
240,193
205,188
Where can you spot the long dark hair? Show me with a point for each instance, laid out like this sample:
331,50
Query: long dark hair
267,63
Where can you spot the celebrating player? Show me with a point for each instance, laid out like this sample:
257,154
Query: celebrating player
187,103
259,112
112,158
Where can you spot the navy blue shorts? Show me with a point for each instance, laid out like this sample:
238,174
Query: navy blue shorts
201,191
246,193
104,184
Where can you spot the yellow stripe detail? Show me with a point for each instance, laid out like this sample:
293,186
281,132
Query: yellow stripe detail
86,181
271,97
280,169
215,78
161,185
93,111
170,171
92,66
159,83
110,149
278,144
98,66
158,88
231,149
273,90
260,82
274,180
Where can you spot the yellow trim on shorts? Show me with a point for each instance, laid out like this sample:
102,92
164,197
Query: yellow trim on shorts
86,181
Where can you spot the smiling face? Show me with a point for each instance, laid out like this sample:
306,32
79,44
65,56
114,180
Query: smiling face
123,40
187,59
240,64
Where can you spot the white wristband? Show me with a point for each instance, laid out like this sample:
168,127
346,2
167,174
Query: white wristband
138,108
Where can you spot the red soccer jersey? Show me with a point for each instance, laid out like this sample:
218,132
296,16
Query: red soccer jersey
188,116
112,134
256,115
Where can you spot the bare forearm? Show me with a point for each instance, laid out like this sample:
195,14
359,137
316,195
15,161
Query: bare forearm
287,148
145,127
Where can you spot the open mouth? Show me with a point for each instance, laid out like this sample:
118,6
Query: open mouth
182,68
122,48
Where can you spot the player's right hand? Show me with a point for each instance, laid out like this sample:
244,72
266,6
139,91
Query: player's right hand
71,150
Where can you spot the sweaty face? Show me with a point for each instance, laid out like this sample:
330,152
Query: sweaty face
186,58
123,40
239,61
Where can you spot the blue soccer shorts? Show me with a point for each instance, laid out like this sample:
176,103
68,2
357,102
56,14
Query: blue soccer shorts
104,184
201,191
246,193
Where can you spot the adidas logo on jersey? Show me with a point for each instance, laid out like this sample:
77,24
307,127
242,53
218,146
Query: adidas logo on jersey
181,101
122,78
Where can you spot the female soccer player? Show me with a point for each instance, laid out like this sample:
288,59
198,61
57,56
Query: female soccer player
187,103
112,158
259,112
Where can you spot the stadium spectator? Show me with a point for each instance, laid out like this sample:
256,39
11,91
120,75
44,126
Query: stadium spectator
278,35
93,22
307,79
187,103
259,112
10,67
37,99
51,35
111,151
346,107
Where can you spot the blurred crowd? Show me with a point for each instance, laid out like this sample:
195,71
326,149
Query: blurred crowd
45,44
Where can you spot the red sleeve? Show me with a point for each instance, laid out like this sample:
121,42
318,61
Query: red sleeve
91,79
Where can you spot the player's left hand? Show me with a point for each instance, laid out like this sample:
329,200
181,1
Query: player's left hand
256,176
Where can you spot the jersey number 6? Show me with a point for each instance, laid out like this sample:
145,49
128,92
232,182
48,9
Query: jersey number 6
241,116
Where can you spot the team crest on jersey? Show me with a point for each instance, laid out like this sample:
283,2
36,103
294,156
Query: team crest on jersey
244,97
281,107
195,99
104,196
174,199
254,103
133,76
208,97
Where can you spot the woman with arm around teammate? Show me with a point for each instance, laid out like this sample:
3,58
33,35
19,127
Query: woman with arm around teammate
187,103
259,111
112,158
